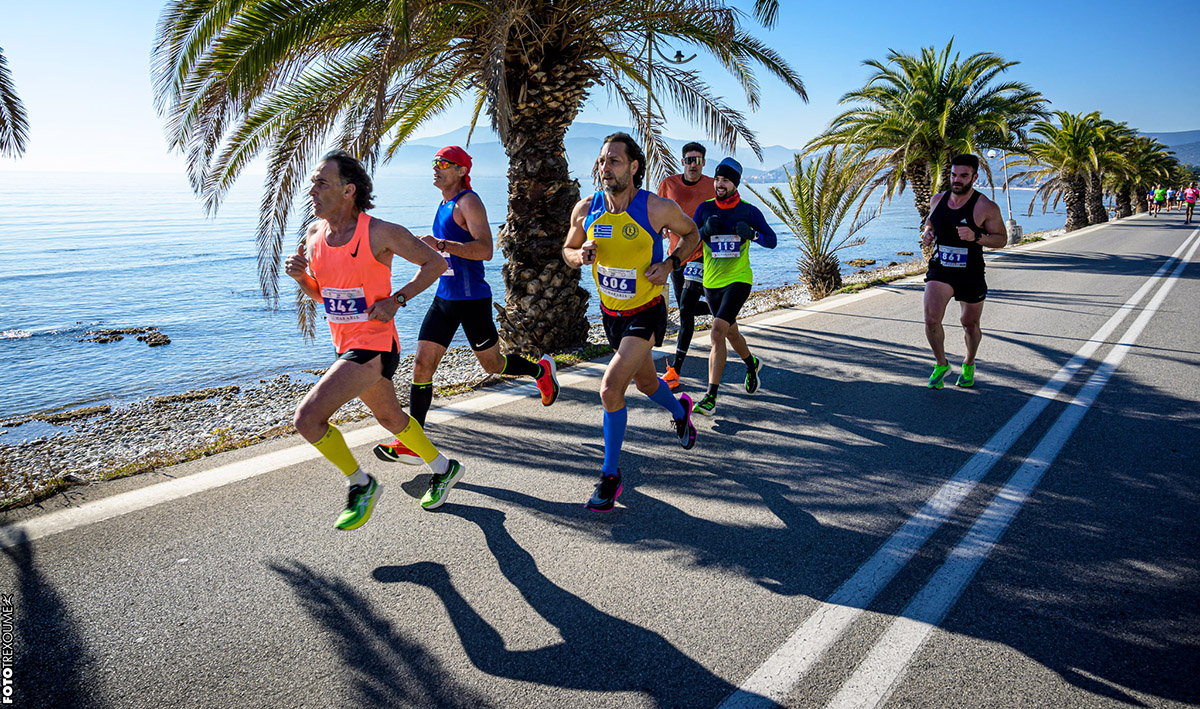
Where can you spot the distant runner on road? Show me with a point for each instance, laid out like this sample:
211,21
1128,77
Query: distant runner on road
1189,198
728,226
688,190
961,221
345,262
462,236
617,232
1160,196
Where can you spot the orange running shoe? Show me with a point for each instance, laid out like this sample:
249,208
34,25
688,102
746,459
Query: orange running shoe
397,452
671,378
547,381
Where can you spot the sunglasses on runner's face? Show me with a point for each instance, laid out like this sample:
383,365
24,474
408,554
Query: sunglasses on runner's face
443,163
694,160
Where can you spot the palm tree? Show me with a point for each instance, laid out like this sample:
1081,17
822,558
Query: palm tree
820,197
1108,145
915,113
235,78
1142,160
14,127
1064,156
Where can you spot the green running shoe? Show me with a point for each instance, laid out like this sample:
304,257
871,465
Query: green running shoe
706,406
937,379
967,377
440,485
752,375
359,505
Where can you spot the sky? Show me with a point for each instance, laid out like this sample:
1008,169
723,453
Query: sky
82,69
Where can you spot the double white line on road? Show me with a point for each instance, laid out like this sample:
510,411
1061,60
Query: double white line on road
873,681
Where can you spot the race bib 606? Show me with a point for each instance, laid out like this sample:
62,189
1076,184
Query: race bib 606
725,245
952,256
345,305
619,283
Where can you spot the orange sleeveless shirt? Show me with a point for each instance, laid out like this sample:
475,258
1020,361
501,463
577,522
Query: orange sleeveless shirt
351,280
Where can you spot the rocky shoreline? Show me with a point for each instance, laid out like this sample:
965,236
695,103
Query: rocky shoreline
102,442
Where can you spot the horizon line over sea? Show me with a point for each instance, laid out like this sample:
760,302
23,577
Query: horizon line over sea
135,250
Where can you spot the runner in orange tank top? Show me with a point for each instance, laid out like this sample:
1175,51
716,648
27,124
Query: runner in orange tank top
345,263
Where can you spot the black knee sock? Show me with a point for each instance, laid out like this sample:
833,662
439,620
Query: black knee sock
420,398
519,366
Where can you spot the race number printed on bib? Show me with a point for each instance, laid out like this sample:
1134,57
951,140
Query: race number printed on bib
693,271
345,305
619,283
725,245
449,266
952,256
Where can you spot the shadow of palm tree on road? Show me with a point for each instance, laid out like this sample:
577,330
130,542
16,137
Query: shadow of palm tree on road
599,652
385,667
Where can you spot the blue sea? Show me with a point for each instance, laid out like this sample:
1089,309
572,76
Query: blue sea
85,251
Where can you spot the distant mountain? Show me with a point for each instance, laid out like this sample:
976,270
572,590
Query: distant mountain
1177,139
582,143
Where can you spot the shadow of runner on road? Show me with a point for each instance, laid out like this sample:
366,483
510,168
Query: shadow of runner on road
384,667
599,652
52,666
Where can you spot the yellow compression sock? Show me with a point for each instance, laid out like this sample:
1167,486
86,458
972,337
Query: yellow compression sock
335,450
414,437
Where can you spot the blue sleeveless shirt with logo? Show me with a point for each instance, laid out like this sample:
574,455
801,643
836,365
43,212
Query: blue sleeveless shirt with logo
463,278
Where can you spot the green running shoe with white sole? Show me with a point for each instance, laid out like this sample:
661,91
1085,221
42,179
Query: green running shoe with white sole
706,405
440,485
359,505
938,379
967,377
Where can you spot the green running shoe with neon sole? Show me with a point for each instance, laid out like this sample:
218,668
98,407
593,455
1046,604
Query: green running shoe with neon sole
967,377
938,379
706,406
440,485
359,505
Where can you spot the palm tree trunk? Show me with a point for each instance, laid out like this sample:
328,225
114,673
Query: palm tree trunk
917,175
1124,204
1076,198
1137,194
1096,212
545,308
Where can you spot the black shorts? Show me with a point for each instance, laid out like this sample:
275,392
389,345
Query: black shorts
968,287
475,317
649,324
390,360
726,302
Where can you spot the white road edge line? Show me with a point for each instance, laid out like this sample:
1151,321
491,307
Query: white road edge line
775,678
878,674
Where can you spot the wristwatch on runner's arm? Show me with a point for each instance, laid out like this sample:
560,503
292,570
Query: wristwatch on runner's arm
400,299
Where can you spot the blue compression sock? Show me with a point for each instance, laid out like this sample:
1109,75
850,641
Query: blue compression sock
614,436
664,398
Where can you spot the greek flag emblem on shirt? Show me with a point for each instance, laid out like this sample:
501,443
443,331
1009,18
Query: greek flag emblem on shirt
602,231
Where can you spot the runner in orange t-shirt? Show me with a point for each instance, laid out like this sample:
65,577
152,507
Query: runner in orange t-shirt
688,190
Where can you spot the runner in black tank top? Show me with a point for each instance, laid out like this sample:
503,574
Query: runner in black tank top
961,222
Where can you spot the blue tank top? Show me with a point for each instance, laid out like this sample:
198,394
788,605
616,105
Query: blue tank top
463,278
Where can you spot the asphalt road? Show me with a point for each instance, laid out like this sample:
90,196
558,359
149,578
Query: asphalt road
845,538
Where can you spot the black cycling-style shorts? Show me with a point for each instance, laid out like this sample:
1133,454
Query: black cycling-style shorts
475,317
726,302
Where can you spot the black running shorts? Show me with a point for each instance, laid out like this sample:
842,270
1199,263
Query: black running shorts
650,324
726,302
968,287
475,317
390,360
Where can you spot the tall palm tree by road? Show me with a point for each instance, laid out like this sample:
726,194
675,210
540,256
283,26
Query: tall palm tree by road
14,127
236,78
1063,154
916,112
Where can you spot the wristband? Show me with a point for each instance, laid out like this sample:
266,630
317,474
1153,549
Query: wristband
678,261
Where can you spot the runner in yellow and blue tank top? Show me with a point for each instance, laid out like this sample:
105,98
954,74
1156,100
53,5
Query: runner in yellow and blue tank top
616,232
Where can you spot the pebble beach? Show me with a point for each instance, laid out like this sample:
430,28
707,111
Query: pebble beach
90,445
